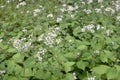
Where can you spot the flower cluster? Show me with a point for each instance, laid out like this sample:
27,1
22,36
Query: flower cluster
2,71
40,53
92,78
21,4
21,45
91,28
50,38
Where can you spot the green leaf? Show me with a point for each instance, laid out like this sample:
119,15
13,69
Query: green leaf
12,78
28,72
11,50
82,65
2,46
101,69
69,77
70,55
2,34
18,57
82,47
103,58
112,73
68,66
117,67
76,31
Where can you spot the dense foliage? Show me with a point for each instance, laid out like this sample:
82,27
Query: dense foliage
59,40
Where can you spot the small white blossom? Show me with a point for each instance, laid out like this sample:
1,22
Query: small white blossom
92,78
89,27
98,27
21,45
37,10
87,11
98,10
100,1
18,6
83,29
108,32
118,18
97,51
110,10
89,1
58,41
2,71
59,19
50,15
1,40
70,8
2,6
75,76
40,53
22,3
27,11
8,1
117,7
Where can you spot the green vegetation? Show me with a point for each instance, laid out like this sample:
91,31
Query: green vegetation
59,40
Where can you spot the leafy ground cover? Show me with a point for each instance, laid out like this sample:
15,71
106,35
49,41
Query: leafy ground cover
59,40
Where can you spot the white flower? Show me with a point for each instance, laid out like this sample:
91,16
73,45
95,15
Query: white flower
97,51
27,11
87,11
37,10
98,10
40,53
2,6
92,78
59,19
17,6
89,27
117,7
108,32
58,41
2,71
98,27
118,18
89,1
70,8
22,3
50,15
1,40
100,1
26,46
17,44
75,76
110,10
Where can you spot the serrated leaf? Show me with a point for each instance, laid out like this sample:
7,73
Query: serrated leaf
101,69
2,46
2,34
112,73
69,76
18,57
11,50
76,31
70,55
68,66
117,67
82,65
28,72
